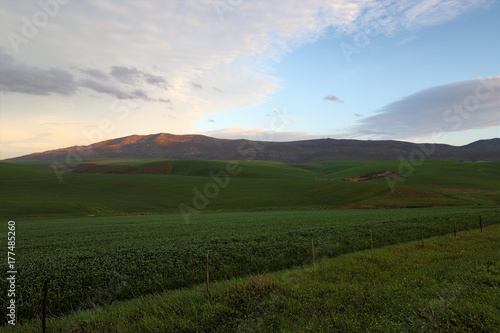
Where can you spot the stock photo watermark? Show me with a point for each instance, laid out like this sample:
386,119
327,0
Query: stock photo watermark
378,19
106,125
249,150
222,7
11,273
456,115
31,26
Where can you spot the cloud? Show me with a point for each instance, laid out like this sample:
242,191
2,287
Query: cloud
95,73
332,98
236,133
388,16
458,106
358,115
104,87
125,74
23,78
19,77
196,85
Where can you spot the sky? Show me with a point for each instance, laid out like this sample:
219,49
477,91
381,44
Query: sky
75,72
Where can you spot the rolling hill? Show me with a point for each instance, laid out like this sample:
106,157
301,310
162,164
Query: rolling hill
199,147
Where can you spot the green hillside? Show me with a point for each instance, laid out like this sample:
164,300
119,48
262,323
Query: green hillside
29,191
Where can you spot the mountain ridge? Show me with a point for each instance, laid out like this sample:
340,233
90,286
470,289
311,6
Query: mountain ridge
201,147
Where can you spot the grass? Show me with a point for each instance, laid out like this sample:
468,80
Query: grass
26,191
261,221
450,285
139,255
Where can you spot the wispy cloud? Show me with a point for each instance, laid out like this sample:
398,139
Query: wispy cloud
458,106
332,98
388,16
196,85
236,133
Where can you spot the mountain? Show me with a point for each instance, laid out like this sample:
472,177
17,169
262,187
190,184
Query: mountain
200,147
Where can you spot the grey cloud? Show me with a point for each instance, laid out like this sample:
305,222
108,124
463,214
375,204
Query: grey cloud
125,74
96,73
197,85
105,88
131,75
332,98
459,106
23,78
154,79
358,115
111,89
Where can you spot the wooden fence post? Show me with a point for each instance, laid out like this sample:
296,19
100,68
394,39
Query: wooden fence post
45,292
422,233
314,263
371,242
480,223
455,229
208,278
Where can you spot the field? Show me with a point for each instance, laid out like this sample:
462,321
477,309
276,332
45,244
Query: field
96,260
113,231
32,192
449,285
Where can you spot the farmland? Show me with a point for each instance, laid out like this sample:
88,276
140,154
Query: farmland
113,230
451,284
97,260
33,192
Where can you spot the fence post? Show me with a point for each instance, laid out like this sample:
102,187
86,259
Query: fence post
371,242
314,263
208,278
422,233
480,223
44,318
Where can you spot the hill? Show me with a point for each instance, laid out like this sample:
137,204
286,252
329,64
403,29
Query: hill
199,147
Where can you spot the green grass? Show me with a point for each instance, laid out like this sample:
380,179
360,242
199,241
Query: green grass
26,191
450,285
138,255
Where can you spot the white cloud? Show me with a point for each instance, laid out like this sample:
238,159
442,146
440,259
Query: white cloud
242,132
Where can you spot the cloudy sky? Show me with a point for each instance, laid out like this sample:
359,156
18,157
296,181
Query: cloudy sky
74,72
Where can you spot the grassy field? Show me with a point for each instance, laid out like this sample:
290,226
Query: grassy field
26,191
449,285
254,217
97,260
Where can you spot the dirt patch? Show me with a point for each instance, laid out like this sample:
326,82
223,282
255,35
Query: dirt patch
371,176
161,168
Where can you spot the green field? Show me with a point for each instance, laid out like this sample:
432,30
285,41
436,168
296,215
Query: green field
33,192
449,285
116,233
130,256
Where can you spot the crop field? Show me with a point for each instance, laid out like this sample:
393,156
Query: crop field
26,191
92,261
449,285
112,230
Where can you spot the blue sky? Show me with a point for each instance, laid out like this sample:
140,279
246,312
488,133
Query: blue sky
77,72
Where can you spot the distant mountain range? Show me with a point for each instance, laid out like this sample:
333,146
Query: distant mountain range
199,147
